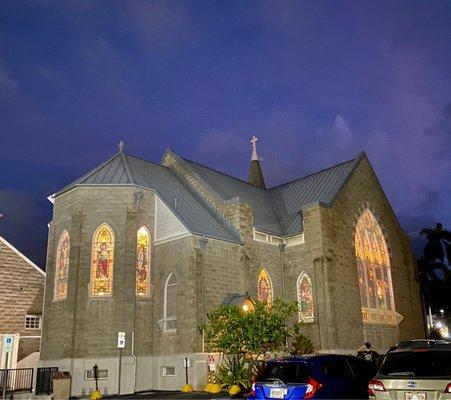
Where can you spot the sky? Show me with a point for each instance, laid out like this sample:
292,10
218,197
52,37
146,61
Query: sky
316,81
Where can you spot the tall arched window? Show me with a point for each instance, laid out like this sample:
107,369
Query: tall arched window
170,304
62,267
305,298
142,262
102,261
264,287
374,275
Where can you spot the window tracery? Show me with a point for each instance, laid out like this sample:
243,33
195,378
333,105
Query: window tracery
374,273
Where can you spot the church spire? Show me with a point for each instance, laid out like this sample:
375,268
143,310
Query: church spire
255,171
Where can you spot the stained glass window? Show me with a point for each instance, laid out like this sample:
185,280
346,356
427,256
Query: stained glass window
373,271
170,304
142,262
305,298
62,267
264,287
102,261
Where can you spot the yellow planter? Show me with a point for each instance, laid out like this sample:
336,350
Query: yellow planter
215,388
96,395
234,390
187,388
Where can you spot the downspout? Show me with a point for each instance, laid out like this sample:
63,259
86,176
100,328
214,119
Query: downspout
138,198
135,361
282,265
203,244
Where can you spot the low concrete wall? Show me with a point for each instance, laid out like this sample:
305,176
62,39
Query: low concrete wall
149,373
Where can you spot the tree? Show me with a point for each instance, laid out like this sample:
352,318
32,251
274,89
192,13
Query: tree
245,336
236,332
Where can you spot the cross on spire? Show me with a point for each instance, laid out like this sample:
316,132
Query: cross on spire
254,148
121,146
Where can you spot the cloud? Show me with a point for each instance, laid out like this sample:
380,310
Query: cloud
342,132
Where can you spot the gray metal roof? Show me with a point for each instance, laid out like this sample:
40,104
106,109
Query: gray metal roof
321,187
124,169
277,210
228,187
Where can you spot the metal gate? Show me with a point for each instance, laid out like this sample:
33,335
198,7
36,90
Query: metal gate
44,382
16,380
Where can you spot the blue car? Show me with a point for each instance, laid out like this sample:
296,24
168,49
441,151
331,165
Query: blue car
323,376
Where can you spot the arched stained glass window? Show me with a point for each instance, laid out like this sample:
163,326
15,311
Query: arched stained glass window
374,275
142,262
62,267
102,261
170,304
264,287
305,298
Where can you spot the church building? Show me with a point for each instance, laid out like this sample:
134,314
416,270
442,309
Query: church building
139,252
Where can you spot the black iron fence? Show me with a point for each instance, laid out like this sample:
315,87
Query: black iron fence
16,380
44,382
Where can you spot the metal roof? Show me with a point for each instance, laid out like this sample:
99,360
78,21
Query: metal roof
321,187
229,187
124,169
277,210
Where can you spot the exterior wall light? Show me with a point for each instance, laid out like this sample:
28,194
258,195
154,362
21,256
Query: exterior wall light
244,301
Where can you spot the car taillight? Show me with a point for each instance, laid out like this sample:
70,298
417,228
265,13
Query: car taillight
375,386
312,387
448,388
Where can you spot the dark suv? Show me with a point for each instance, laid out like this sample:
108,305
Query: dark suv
323,376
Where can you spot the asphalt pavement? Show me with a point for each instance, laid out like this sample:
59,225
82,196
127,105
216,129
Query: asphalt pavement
157,395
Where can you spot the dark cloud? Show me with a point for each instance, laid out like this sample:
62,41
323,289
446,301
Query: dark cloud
317,83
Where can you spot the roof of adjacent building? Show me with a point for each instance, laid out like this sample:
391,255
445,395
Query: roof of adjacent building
21,255
277,210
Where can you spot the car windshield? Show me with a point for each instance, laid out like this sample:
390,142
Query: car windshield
287,372
426,364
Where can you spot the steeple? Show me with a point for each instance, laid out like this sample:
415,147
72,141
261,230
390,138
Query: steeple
255,171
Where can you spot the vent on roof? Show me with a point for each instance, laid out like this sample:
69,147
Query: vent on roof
167,225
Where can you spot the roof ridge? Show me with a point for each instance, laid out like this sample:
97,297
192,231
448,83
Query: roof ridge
143,159
222,173
313,173
20,254
128,171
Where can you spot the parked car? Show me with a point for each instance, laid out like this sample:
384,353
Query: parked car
414,373
323,376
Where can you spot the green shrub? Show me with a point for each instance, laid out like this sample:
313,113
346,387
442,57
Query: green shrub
235,371
301,344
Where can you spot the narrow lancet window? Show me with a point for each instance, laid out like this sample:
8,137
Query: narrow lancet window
102,261
305,298
62,267
170,304
264,287
143,263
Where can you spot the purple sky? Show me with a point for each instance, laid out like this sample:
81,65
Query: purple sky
316,81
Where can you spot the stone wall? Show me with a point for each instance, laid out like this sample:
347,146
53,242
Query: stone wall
22,289
363,191
83,326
